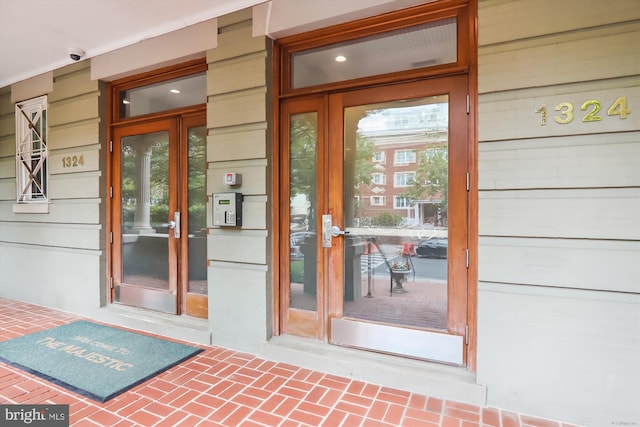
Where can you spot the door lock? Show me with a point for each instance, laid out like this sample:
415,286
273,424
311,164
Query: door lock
329,230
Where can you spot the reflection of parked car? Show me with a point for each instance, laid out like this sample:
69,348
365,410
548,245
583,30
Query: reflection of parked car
298,223
296,240
432,248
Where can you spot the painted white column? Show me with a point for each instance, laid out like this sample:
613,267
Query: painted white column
142,213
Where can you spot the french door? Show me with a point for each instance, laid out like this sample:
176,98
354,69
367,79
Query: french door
158,214
375,190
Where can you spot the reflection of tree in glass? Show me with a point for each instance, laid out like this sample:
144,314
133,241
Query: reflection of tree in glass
197,180
434,171
128,189
303,160
159,179
364,160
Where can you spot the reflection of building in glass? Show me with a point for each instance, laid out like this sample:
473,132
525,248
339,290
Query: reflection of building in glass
408,185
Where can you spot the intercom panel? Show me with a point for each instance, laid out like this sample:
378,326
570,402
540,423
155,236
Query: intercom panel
227,209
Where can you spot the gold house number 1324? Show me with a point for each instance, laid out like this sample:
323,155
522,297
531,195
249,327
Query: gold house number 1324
591,108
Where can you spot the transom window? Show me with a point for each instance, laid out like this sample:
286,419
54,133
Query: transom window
31,150
404,49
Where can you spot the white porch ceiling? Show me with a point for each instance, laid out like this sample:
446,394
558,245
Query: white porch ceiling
35,35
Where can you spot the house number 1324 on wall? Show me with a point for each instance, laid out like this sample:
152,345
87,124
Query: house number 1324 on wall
590,111
72,161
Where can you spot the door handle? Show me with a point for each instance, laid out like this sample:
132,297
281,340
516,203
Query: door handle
335,231
174,225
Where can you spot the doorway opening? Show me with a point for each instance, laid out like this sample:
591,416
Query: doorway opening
375,165
157,179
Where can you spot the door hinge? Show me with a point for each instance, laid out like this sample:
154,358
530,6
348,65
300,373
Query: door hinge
111,282
467,261
111,192
110,237
111,146
468,181
468,104
466,335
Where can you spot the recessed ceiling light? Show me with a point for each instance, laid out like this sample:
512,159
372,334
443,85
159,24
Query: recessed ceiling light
174,91
341,58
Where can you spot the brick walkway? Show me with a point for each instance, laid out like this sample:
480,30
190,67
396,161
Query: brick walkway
221,387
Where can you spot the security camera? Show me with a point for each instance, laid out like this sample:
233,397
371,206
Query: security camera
75,53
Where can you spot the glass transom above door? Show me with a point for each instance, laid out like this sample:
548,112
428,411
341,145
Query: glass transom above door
163,96
410,48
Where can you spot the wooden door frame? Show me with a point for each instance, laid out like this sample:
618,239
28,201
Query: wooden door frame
291,320
466,13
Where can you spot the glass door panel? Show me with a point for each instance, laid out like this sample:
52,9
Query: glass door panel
145,209
395,200
397,277
303,236
146,222
302,294
197,209
193,181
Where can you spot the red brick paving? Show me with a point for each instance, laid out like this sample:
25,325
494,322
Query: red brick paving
221,387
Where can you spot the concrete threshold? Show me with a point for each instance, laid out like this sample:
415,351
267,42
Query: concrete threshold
182,328
416,376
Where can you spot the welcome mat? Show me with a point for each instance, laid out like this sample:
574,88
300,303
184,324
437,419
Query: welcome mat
93,360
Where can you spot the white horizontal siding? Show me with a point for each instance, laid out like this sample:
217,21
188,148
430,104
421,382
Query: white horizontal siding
73,81
80,211
515,20
67,279
587,161
8,167
562,354
8,189
245,246
237,143
249,318
581,214
76,134
237,108
593,56
559,210
237,74
84,185
7,126
77,236
579,264
7,145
